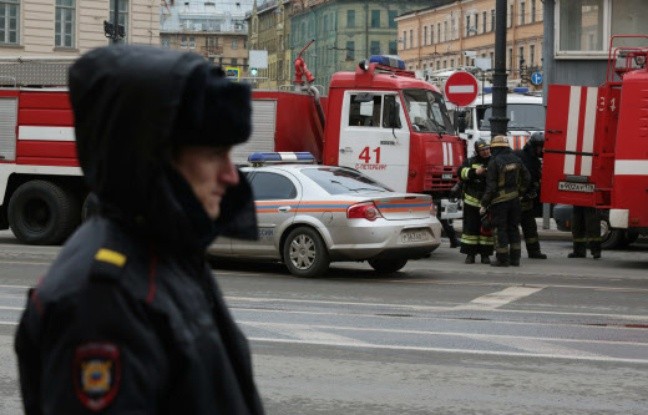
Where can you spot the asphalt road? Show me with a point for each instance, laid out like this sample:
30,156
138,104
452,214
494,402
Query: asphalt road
441,337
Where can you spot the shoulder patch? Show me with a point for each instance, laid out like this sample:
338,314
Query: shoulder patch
111,257
97,374
108,264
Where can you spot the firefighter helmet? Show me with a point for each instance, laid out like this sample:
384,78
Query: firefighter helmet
499,141
481,144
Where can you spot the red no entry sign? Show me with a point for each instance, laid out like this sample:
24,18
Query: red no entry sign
461,88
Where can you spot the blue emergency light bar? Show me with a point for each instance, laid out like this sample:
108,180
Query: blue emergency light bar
390,61
281,157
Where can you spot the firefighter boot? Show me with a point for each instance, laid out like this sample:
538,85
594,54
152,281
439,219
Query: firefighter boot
470,259
595,248
579,251
515,257
537,255
501,260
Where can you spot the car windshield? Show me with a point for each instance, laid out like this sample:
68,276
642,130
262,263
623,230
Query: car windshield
427,111
528,117
337,180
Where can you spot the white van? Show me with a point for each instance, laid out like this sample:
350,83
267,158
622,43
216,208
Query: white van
526,115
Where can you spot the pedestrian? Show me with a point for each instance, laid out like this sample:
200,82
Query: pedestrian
475,240
531,156
129,318
586,231
506,180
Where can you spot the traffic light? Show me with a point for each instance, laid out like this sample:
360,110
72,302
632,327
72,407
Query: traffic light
254,71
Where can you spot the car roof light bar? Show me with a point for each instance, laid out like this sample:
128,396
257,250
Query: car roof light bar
260,158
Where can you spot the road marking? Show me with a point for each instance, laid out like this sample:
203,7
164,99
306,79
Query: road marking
460,351
304,332
500,298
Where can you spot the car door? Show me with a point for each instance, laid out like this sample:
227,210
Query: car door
367,144
276,196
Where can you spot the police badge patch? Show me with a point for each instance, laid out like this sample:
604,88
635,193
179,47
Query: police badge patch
97,374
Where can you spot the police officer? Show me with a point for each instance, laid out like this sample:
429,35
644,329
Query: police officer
472,173
506,180
531,156
586,230
129,318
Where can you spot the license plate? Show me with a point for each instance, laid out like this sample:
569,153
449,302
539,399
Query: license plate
576,187
415,235
446,176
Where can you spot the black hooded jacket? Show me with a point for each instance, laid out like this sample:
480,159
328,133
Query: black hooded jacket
129,319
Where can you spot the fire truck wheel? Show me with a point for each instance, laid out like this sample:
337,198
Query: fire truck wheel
305,253
387,266
611,238
43,213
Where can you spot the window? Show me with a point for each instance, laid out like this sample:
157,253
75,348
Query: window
468,25
432,34
453,30
476,24
350,18
337,180
375,47
350,50
64,23
404,40
393,47
522,12
531,55
510,17
365,110
268,186
425,35
234,43
533,11
391,16
521,57
123,14
452,63
510,58
438,32
375,18
484,14
411,38
9,21
492,20
585,26
445,31
427,112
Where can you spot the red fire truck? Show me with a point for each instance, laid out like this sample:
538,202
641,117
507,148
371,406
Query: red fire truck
380,120
596,148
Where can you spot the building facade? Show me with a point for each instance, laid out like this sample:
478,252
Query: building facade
39,39
450,34
269,30
344,33
217,31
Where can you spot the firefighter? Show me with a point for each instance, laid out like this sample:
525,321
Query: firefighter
531,156
472,173
506,180
129,318
586,231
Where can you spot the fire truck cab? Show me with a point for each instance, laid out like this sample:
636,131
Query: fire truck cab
596,140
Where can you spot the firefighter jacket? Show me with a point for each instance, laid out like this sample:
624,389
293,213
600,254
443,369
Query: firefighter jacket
506,179
473,185
129,319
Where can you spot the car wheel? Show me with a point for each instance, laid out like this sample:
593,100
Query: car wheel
305,253
611,238
387,266
631,237
43,213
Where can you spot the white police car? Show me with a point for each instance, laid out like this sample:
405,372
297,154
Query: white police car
310,215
